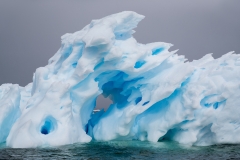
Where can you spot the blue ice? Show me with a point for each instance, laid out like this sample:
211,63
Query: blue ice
156,94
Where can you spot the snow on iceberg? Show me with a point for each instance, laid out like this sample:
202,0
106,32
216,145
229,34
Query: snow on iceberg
156,94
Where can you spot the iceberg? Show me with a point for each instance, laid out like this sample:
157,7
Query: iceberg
156,94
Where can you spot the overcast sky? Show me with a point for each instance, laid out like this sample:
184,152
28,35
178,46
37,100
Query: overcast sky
30,30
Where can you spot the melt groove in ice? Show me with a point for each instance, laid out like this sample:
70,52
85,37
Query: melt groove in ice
156,94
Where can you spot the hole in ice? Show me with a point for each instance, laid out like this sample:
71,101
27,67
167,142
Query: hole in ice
138,100
145,103
205,102
139,64
49,125
156,51
45,129
74,65
215,106
102,103
211,101
219,104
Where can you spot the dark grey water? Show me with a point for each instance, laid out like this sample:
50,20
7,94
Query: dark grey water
124,150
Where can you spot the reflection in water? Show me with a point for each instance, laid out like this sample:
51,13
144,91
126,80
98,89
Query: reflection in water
124,150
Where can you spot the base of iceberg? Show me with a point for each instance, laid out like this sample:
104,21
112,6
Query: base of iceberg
156,94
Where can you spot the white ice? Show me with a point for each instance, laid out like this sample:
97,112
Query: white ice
156,94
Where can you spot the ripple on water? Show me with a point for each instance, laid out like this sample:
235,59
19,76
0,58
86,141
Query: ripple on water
124,150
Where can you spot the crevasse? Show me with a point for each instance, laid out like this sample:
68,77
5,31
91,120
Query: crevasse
156,94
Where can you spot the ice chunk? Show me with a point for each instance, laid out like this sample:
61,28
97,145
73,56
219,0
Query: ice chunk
156,94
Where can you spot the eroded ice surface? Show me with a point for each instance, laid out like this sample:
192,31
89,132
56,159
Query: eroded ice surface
156,93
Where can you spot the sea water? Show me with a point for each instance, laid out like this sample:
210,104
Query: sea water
123,150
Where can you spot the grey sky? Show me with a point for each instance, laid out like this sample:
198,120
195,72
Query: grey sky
30,31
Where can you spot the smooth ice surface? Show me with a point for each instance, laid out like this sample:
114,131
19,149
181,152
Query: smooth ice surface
156,94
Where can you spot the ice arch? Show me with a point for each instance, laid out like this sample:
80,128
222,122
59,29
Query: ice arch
155,92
